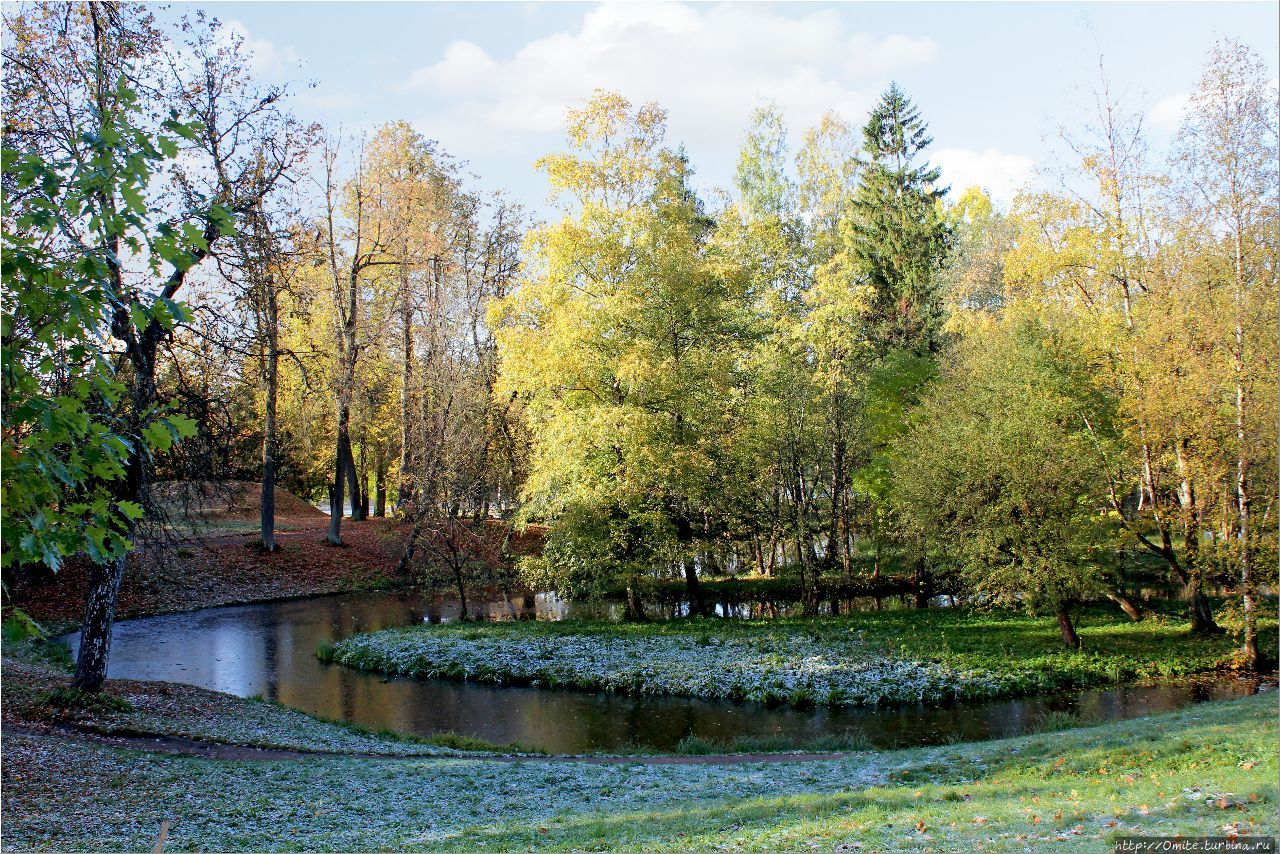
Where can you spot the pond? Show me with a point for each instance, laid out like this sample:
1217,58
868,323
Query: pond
269,650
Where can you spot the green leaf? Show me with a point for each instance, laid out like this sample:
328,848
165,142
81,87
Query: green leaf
130,509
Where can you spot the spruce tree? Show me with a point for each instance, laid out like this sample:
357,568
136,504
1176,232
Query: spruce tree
899,237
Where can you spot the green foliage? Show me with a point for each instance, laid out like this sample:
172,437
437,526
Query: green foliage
783,589
761,178
1003,467
324,651
65,441
899,237
18,627
456,741
1059,721
696,745
620,343
70,702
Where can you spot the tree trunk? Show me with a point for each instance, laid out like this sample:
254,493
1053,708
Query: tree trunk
462,594
380,495
635,607
1126,604
1249,655
270,325
693,589
404,490
104,588
1202,621
353,478
360,510
921,585
835,553
1069,636
337,497
410,545
99,617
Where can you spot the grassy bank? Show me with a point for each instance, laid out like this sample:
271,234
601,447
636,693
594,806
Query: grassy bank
862,659
1205,770
37,696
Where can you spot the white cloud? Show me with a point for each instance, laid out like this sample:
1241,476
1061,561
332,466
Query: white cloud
997,172
1167,113
709,66
265,57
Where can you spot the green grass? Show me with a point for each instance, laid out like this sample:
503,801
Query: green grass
324,651
844,742
457,741
1200,771
68,702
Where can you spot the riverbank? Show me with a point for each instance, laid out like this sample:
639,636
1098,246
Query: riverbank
226,569
1208,770
886,657
38,697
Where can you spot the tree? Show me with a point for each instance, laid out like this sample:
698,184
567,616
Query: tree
1227,150
1097,249
1001,468
415,201
352,243
620,343
76,435
67,444
79,71
899,238
973,275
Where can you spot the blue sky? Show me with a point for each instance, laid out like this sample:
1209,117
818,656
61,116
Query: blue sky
491,81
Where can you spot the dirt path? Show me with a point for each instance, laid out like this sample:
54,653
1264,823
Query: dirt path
178,746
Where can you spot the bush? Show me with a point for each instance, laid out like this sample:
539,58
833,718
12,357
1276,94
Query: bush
66,702
19,626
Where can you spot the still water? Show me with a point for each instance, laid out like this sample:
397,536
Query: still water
269,649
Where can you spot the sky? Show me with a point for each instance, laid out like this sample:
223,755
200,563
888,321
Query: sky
491,81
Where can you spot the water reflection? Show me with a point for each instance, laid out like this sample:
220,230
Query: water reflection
269,650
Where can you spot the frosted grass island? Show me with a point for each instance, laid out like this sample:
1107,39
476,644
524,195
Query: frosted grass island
802,662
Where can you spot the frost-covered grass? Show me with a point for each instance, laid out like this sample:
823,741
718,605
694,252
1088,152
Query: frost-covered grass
864,659
32,696
1207,770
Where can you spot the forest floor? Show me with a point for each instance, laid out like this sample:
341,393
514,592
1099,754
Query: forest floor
213,558
865,658
1207,770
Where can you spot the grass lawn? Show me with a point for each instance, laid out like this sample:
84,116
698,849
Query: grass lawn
1210,769
867,658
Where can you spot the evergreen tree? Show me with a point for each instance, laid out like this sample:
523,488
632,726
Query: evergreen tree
899,237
